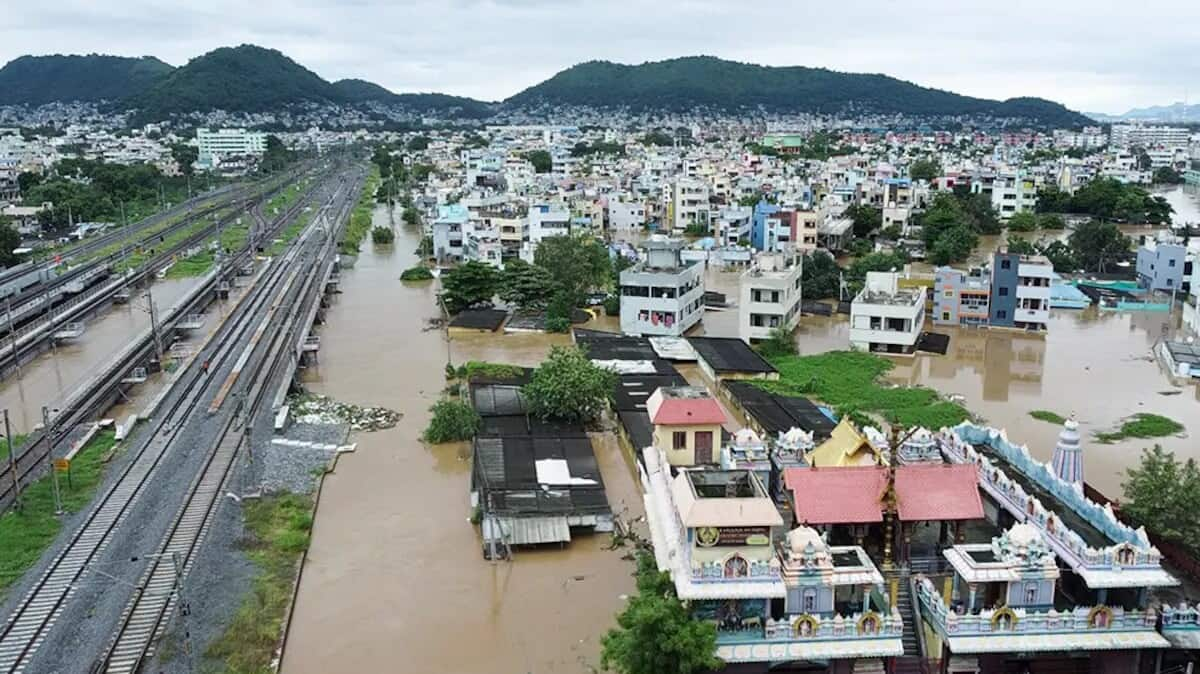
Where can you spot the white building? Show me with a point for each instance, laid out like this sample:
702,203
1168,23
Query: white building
1125,136
662,295
215,146
626,216
769,295
885,317
546,221
689,203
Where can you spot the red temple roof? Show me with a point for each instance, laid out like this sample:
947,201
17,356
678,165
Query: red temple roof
854,495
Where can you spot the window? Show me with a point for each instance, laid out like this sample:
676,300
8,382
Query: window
945,315
948,293
679,440
1171,263
1031,594
1002,314
1006,264
1004,292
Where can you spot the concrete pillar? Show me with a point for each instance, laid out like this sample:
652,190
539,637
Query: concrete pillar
866,604
970,597
1102,595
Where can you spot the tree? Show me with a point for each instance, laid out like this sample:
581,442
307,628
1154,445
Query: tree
525,285
10,240
276,157
1023,221
411,216
541,160
1167,176
1019,245
1098,244
417,144
27,180
856,275
1053,200
468,284
820,276
943,213
656,634
568,386
866,218
1051,221
558,313
185,155
779,342
381,235
1163,495
954,245
980,213
577,263
926,169
452,421
1061,257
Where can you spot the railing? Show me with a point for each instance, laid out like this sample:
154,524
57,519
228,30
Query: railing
1133,548
1006,621
806,627
1181,617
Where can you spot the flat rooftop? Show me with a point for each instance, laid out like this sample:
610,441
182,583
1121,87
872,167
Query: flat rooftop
730,355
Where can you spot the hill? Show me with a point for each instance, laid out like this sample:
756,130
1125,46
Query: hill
361,91
237,79
704,81
36,80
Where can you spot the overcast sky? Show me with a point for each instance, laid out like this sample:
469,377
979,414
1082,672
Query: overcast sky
1095,55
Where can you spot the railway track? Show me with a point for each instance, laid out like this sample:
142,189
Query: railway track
269,303
31,460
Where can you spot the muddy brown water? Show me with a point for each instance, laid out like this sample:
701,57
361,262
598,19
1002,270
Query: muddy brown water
395,580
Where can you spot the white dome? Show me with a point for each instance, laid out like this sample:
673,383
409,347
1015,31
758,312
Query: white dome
801,537
746,438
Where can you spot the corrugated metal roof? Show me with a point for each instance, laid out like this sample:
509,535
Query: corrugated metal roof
528,530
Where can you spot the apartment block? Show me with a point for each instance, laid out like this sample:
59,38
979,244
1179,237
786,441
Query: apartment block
769,295
1020,291
885,317
662,295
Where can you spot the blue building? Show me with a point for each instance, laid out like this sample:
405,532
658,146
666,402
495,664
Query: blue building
758,225
1161,265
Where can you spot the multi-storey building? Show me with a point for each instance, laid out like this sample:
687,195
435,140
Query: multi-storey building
1163,265
1020,291
662,295
885,317
626,216
689,204
961,297
448,233
1125,136
769,295
217,146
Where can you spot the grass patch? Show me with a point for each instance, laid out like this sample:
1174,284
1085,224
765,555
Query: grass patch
1048,416
196,265
25,533
277,533
416,274
1142,425
479,368
360,217
850,382
290,232
140,255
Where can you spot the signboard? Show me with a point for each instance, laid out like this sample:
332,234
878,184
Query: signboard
62,465
707,537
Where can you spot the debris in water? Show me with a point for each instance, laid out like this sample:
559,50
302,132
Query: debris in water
318,409
1170,393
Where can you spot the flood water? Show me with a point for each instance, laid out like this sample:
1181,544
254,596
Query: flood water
56,373
395,578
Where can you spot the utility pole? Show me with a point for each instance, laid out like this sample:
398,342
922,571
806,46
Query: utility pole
12,335
158,347
48,433
12,462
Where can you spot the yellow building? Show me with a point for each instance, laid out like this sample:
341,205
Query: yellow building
687,424
845,447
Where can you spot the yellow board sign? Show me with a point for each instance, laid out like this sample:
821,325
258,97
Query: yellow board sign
62,465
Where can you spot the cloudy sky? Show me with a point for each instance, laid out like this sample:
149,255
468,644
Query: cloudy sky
1093,55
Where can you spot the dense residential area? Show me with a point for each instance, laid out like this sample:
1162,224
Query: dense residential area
682,366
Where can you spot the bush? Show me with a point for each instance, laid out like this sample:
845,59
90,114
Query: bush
568,386
612,305
416,274
558,324
452,421
382,235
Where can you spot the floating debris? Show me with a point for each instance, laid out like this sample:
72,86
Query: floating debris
318,409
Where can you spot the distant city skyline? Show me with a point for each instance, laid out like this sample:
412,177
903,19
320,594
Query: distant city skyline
1089,57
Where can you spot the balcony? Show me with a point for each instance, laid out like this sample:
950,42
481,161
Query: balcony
813,637
1004,629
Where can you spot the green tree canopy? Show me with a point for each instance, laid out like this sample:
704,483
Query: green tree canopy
866,218
953,245
1108,199
417,143
656,634
577,263
568,386
856,274
1167,176
541,160
468,284
526,286
926,169
1163,495
1099,244
1023,221
820,276
1061,257
185,155
10,240
1019,245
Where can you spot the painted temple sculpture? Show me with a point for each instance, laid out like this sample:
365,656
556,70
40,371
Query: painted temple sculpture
957,547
